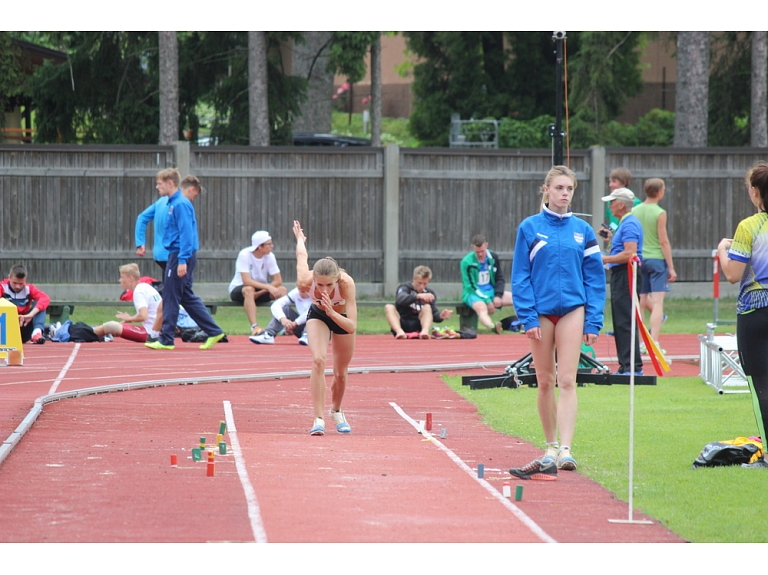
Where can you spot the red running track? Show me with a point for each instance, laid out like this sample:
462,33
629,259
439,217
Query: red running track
97,468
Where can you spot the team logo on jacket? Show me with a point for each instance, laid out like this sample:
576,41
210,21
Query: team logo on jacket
578,237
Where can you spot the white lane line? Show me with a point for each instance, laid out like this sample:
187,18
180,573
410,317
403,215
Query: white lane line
63,371
527,521
254,513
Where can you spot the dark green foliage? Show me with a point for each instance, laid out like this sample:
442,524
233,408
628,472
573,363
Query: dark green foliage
656,128
115,96
213,68
512,75
525,134
348,51
532,68
458,72
729,89
11,67
604,72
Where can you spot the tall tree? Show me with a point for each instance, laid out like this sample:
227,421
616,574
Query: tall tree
692,89
376,92
729,98
450,77
604,72
169,87
106,93
258,106
215,78
759,104
347,52
310,62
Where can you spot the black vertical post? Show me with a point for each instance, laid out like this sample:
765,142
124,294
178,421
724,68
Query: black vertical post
556,130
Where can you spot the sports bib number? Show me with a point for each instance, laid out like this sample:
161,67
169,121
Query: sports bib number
484,277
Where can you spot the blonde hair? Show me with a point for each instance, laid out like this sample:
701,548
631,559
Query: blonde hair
422,272
327,268
130,270
171,174
553,173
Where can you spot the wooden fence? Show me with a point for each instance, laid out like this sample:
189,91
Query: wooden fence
68,212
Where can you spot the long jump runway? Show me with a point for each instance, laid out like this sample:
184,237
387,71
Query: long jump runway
97,468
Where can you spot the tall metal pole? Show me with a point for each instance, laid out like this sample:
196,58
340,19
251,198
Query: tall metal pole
556,129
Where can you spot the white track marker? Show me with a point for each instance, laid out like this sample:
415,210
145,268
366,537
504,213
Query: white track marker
527,521
64,370
254,513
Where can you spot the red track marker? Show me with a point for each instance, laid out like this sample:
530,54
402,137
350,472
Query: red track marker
174,460
210,469
429,422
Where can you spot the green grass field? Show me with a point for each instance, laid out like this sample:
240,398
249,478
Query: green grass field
673,422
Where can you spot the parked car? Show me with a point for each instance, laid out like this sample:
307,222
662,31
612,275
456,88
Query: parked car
311,139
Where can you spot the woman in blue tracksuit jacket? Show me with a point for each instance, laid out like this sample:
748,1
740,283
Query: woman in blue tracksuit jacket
558,282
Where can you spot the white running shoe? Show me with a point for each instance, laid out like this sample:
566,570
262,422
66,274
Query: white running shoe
318,428
263,338
341,422
303,339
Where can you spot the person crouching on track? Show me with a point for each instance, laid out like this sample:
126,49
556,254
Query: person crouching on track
559,285
333,311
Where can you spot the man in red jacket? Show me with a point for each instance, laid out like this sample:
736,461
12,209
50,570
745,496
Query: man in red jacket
31,302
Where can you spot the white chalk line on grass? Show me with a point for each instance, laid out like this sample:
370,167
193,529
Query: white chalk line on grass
527,521
64,370
254,513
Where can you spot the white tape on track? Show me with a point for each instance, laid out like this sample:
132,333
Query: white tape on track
254,513
527,521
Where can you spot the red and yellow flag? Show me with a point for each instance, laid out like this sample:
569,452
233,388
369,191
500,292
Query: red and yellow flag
658,360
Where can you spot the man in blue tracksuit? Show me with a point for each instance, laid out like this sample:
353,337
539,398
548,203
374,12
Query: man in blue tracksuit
156,213
181,241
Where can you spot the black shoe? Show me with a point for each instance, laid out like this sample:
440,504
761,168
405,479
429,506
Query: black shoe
537,470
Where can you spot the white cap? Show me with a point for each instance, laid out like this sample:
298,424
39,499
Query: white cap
259,238
620,194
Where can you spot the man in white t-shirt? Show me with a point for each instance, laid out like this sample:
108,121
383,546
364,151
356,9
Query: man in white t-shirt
289,313
251,284
148,304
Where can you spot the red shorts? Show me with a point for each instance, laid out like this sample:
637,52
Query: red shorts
554,318
134,333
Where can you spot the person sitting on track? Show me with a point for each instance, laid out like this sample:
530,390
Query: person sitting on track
148,304
289,313
333,311
415,307
257,277
483,283
30,301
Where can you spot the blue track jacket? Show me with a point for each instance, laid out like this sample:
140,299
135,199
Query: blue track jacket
180,234
157,212
557,267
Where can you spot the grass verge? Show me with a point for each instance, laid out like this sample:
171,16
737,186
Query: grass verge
673,422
